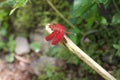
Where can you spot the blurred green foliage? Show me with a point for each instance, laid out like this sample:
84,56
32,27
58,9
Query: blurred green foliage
117,47
116,18
99,20
52,74
35,46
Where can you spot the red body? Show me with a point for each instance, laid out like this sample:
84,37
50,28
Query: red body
57,34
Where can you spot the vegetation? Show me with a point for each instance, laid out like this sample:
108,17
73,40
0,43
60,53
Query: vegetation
94,25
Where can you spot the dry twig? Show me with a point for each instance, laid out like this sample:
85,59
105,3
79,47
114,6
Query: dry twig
83,56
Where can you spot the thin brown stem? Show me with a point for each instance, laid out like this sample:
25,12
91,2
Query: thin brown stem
58,12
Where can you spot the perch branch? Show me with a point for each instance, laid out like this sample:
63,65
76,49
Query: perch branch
83,56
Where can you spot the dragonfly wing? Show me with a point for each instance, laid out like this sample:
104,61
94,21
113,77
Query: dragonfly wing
57,38
52,35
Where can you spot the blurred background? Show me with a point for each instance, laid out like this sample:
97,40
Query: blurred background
25,55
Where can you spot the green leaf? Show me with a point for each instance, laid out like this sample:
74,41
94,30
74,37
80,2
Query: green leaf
49,73
10,57
104,21
118,53
3,13
3,32
81,7
75,60
11,44
89,22
7,2
35,46
2,44
12,11
19,3
116,46
73,36
116,18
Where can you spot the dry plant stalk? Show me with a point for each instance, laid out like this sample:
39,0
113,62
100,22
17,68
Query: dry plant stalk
83,56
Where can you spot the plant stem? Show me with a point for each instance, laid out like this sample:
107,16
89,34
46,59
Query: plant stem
58,12
83,56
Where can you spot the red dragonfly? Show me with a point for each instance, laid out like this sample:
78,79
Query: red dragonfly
57,34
